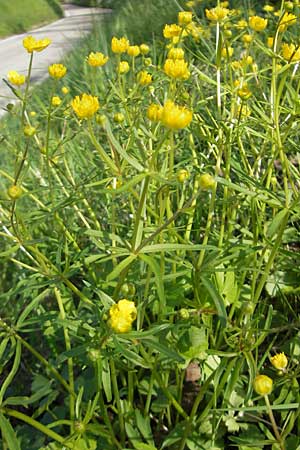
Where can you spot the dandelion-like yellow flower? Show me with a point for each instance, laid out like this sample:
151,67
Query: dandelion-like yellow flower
287,20
154,112
176,53
85,106
279,361
144,78
290,52
57,70
257,23
144,49
123,67
119,45
33,45
217,14
55,101
171,31
97,59
176,68
122,315
263,385
175,117
133,50
185,17
15,78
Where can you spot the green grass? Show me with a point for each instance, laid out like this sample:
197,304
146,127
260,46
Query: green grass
22,15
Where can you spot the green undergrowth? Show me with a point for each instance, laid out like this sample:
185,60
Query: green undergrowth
22,15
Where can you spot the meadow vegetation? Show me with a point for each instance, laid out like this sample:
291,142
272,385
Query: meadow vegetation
149,213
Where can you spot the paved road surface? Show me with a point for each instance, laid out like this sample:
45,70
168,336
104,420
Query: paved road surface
63,33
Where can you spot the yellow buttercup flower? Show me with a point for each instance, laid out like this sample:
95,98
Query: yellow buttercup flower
57,70
263,385
85,106
15,78
154,112
55,101
119,45
217,14
287,20
144,78
290,52
97,59
122,315
171,31
144,49
33,45
123,67
175,117
258,23
133,50
176,53
185,17
279,361
176,69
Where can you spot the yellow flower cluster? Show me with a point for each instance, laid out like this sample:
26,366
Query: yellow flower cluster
184,17
290,52
172,116
122,315
119,45
33,45
258,23
15,78
217,14
85,106
176,68
97,59
57,70
171,31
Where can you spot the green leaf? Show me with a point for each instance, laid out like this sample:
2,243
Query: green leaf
158,279
156,248
32,305
13,371
217,299
8,434
106,380
276,222
120,267
163,350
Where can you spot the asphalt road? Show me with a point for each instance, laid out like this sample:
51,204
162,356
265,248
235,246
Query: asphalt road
64,33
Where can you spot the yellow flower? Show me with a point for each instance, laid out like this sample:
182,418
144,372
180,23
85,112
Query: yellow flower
133,50
206,181
122,314
227,52
85,106
279,361
247,38
185,17
257,23
268,8
65,90
241,24
290,52
176,53
270,41
144,78
175,117
287,20
144,49
154,112
119,45
171,31
57,70
97,59
33,45
15,78
29,131
14,192
55,101
123,67
263,385
176,68
217,14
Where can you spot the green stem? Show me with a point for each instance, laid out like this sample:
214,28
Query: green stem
118,400
273,422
